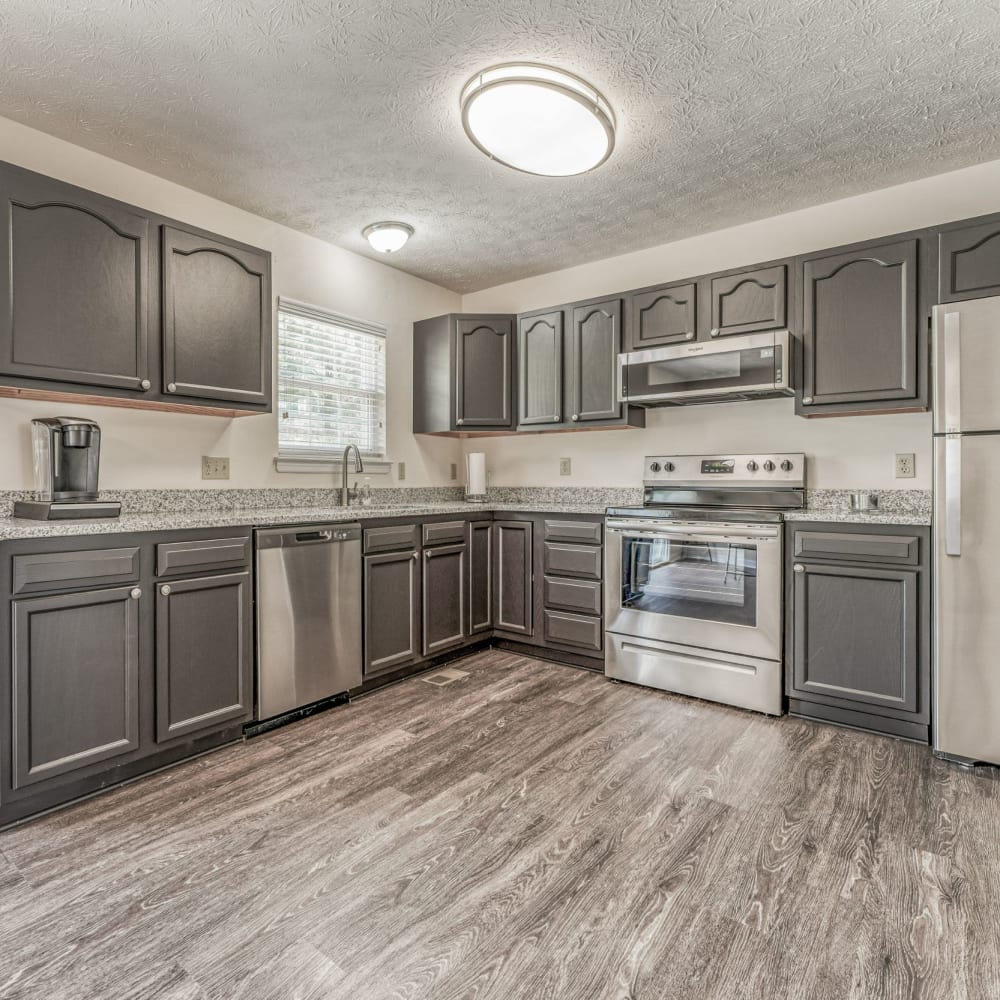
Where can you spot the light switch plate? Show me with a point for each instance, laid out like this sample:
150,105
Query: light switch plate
565,467
213,467
906,466
401,471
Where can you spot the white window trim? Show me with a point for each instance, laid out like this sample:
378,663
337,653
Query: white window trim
377,465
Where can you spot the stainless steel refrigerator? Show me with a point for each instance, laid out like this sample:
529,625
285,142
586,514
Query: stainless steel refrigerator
966,709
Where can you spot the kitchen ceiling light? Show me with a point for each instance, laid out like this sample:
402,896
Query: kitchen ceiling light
538,120
387,237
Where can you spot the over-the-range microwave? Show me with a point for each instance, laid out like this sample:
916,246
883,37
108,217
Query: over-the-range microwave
751,366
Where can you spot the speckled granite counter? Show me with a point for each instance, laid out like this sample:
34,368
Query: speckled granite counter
895,507
847,517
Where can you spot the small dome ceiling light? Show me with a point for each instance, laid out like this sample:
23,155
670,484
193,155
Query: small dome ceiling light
387,237
538,119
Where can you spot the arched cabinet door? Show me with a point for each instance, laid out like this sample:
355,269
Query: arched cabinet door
74,293
216,319
969,260
594,345
540,368
750,301
862,338
484,359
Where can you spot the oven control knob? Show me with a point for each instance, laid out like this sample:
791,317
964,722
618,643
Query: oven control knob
769,466
752,466
655,467
786,466
668,466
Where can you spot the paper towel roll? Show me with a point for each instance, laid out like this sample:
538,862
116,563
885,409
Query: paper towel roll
475,474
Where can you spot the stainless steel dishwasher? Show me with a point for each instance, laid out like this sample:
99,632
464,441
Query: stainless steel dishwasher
308,615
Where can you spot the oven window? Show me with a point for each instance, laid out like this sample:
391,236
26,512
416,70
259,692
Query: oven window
710,581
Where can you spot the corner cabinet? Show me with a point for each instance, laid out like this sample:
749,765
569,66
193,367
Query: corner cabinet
463,374
864,328
149,314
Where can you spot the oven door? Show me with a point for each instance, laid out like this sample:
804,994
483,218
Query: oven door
714,586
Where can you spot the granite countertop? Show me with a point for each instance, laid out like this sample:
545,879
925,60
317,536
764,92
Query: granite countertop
12,528
848,517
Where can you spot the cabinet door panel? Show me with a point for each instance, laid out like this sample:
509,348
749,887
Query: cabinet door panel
75,682
392,611
73,297
444,597
667,315
513,576
969,262
216,319
484,378
595,344
750,301
204,654
860,336
480,576
540,369
856,635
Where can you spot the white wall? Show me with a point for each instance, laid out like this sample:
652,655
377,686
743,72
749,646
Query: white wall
846,452
143,449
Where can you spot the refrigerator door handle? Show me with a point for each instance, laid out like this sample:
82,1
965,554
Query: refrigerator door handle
953,495
952,344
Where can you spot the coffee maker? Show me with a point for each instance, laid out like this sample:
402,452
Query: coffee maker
66,453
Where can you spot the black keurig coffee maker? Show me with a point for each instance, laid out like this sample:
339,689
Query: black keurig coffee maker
66,453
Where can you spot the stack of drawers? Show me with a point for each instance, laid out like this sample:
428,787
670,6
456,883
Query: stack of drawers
572,568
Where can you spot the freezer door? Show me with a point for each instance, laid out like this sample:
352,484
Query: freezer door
965,341
967,597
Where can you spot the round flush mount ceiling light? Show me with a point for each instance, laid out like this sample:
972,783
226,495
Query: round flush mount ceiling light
537,119
387,237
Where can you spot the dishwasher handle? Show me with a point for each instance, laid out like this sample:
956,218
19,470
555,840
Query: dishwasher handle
307,534
325,535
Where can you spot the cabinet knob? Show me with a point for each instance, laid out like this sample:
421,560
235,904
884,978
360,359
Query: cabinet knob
145,385
576,416
136,593
460,421
715,333
799,568
807,400
172,387
689,335
165,590
414,556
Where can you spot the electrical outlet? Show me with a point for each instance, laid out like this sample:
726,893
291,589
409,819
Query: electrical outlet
454,471
214,468
401,471
565,467
906,466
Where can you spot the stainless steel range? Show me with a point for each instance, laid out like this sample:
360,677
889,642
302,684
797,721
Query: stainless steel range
693,578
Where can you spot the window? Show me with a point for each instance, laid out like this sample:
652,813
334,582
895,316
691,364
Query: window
331,384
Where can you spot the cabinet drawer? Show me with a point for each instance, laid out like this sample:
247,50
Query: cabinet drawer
583,561
393,536
573,595
900,549
444,533
574,630
63,570
583,532
202,554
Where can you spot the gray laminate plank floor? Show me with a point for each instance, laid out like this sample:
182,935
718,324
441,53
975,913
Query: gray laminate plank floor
530,831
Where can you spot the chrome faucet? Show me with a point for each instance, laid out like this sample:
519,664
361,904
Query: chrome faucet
346,495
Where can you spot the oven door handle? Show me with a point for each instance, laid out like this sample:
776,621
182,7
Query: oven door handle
639,534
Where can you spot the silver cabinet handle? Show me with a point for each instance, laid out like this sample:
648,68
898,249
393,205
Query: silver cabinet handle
145,385
136,593
953,495
165,590
799,568
172,387
807,400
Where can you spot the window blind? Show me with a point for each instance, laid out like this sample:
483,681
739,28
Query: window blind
331,383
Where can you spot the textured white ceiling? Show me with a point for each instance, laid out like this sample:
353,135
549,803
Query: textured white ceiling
330,114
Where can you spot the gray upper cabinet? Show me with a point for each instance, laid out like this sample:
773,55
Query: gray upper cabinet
540,368
863,337
216,319
661,316
594,345
204,654
484,373
74,294
969,260
75,660
464,374
750,301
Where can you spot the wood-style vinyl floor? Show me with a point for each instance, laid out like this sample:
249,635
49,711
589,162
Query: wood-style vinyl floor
530,831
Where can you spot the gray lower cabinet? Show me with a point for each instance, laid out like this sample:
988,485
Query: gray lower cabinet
392,609
540,368
594,345
513,575
480,577
864,333
204,654
750,301
75,682
667,314
969,259
444,588
859,627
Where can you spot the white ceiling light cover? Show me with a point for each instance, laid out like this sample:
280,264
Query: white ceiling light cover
538,119
387,237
